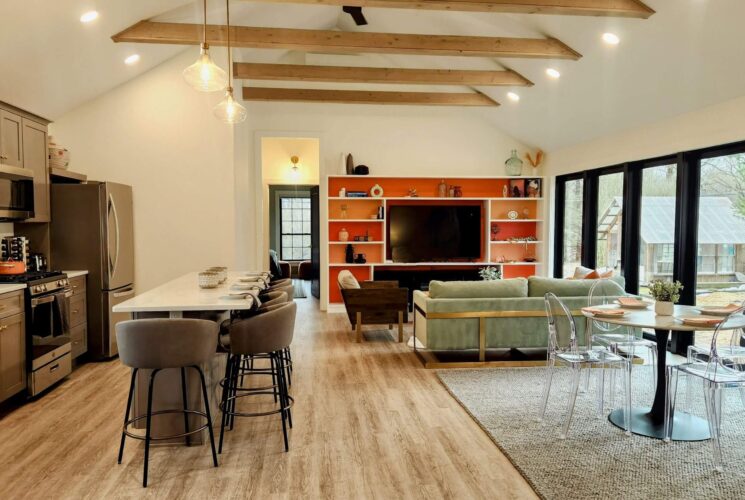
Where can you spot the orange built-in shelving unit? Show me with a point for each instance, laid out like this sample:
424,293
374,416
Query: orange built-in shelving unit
359,216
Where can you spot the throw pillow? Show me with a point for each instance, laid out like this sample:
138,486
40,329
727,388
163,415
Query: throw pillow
347,280
581,272
592,275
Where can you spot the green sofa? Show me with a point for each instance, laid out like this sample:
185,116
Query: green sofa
510,312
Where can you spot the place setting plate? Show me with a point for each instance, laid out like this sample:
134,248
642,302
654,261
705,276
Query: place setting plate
237,296
701,321
636,306
715,311
605,311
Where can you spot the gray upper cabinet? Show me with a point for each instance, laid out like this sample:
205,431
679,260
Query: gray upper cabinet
35,158
11,139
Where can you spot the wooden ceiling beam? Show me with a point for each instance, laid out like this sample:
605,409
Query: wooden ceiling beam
367,97
348,42
609,8
354,74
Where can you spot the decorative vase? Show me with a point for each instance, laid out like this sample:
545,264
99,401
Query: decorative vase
343,234
457,192
442,189
350,164
349,254
663,308
514,165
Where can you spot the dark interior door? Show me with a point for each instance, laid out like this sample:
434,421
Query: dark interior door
315,243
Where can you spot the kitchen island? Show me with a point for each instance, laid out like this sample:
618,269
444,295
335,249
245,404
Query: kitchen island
182,298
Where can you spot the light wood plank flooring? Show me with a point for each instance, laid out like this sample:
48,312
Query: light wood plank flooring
369,423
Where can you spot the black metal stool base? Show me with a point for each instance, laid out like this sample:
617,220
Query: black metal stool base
239,365
686,427
150,413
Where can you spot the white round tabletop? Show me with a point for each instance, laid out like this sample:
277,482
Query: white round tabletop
647,318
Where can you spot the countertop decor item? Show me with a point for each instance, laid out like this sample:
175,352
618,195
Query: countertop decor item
208,279
229,110
514,165
221,271
343,234
376,191
666,294
204,75
59,157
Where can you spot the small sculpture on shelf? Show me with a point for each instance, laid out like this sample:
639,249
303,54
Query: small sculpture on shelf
343,234
343,211
539,155
360,259
442,189
349,254
495,229
412,193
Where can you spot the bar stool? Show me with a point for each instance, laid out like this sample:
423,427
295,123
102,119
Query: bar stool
159,344
267,333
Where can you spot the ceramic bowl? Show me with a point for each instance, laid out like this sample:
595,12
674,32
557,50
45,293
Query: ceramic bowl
222,272
208,279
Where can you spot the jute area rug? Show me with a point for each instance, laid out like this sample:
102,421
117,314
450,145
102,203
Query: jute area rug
597,460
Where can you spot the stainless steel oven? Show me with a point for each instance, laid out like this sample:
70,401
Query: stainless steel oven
48,333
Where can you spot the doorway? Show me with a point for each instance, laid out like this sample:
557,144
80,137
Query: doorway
290,176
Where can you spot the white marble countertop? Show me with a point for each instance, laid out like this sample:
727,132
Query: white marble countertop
75,274
184,294
11,287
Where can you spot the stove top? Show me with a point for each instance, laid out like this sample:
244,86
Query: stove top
32,277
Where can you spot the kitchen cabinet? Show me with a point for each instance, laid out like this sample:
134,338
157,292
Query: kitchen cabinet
36,159
11,139
12,345
78,317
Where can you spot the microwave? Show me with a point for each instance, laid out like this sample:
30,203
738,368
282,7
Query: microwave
16,194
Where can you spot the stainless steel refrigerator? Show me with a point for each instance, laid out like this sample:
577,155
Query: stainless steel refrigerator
92,229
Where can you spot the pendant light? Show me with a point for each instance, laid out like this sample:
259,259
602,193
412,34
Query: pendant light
229,110
204,75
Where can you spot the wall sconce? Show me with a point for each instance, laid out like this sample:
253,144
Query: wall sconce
295,170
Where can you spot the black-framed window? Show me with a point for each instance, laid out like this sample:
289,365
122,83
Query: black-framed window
680,217
295,231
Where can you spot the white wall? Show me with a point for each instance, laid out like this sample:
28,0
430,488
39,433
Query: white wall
710,126
158,135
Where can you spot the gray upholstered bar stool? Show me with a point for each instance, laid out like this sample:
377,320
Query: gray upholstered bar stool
267,333
159,344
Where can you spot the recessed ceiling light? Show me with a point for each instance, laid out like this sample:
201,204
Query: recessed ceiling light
553,73
89,16
611,38
513,97
133,59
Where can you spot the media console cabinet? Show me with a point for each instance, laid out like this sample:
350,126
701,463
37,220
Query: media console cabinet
507,222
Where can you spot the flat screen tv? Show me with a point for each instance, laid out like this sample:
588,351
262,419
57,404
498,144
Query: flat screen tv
434,233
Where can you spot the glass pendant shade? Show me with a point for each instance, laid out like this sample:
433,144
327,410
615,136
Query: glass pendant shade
229,110
204,75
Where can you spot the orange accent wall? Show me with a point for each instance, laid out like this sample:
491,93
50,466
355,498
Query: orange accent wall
499,208
426,187
357,208
525,271
375,229
362,273
373,253
509,230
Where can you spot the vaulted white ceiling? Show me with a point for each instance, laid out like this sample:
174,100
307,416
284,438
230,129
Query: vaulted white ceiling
687,56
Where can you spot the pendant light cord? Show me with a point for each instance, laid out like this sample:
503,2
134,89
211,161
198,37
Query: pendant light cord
230,55
204,28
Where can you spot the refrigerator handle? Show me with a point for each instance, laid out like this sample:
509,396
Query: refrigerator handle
116,229
125,293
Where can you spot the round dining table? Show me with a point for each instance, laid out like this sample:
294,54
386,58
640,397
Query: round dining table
650,420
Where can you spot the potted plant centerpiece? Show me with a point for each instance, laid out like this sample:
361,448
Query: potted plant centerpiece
666,294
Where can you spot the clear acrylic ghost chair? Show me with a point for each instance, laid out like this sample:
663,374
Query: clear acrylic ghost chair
563,347
733,350
617,338
717,373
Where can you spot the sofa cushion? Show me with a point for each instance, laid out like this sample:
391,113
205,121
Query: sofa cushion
347,280
538,287
490,289
581,272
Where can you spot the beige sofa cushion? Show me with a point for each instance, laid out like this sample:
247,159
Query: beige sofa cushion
347,280
494,289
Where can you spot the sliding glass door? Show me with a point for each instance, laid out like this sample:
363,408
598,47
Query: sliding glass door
572,234
609,222
657,225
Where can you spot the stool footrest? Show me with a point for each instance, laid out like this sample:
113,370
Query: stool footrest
163,412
